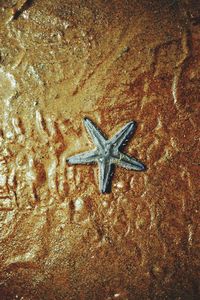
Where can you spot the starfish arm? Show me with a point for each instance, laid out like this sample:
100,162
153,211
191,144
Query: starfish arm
128,162
83,158
123,135
95,133
105,175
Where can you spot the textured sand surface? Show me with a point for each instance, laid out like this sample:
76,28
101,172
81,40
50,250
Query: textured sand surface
112,61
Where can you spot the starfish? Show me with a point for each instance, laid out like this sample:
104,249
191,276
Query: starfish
107,153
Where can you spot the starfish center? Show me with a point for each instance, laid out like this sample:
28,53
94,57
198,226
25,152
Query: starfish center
107,151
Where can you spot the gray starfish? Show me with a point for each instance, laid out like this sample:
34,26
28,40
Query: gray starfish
107,153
